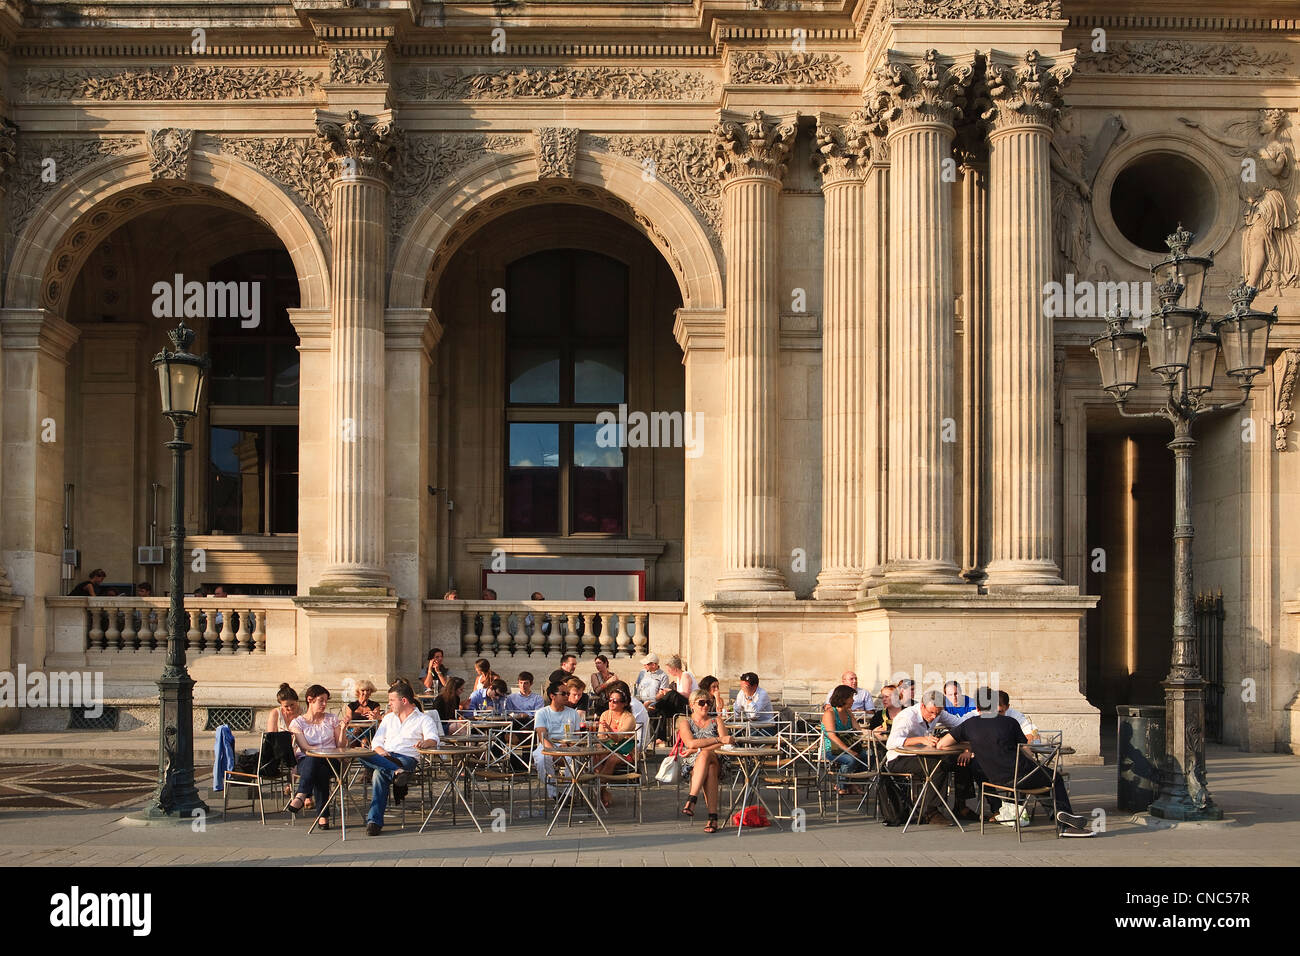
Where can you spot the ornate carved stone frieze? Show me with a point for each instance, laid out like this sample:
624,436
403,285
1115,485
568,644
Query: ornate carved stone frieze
974,9
8,152
757,146
843,151
557,82
931,89
557,151
786,67
425,161
46,161
297,162
358,145
684,163
358,66
169,83
169,152
1185,58
1284,417
1025,91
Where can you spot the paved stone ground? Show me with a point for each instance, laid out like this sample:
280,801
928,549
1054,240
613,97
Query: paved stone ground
1261,791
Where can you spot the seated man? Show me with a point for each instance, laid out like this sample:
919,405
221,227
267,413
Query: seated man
862,698
995,739
651,687
754,704
1026,725
525,701
568,668
916,725
955,702
493,697
394,745
553,722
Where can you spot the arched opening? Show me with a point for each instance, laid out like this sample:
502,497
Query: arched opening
227,274
558,320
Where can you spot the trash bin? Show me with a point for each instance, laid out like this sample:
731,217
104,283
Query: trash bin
1141,740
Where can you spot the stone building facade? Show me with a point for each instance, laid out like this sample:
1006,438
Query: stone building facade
820,233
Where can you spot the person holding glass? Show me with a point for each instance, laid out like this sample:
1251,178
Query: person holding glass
316,730
614,724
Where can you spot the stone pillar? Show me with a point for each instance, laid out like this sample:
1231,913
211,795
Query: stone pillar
875,299
845,404
974,269
752,158
359,148
923,96
1025,93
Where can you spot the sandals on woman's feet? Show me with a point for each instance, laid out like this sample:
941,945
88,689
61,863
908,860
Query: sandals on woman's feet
605,798
689,809
323,823
712,826
295,808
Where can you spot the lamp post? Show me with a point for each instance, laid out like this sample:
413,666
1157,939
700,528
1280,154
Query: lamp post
1183,353
180,377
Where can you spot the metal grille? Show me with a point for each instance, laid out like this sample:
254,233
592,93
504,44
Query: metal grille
236,718
1209,639
105,721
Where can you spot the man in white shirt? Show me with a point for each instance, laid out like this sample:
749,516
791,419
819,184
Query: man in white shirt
553,722
651,686
1006,710
862,697
395,752
754,703
916,725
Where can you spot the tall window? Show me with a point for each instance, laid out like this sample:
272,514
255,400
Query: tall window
566,361
253,404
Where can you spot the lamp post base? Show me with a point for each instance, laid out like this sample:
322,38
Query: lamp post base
176,797
1184,794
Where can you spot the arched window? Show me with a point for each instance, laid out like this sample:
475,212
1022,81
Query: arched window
253,404
566,361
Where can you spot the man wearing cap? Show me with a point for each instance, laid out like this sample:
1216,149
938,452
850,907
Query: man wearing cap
651,686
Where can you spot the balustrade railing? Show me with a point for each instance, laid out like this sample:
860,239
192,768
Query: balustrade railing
232,625
540,628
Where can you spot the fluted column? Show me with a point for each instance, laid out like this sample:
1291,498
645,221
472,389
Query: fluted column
359,148
1025,93
752,158
844,358
875,299
974,268
924,96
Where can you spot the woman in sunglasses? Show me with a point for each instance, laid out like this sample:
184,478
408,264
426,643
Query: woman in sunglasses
615,724
700,736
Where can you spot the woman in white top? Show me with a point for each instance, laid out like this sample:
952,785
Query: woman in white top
317,730
683,678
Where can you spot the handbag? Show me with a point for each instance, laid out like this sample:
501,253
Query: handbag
751,816
671,769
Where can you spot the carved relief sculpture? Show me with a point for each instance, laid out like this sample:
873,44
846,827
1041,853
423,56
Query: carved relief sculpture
298,162
424,161
1269,188
1071,194
558,82
786,67
1179,57
169,83
557,152
169,152
357,66
1284,417
8,147
357,145
69,156
975,9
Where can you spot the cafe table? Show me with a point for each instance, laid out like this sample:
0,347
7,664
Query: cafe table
338,760
749,754
579,755
454,754
932,759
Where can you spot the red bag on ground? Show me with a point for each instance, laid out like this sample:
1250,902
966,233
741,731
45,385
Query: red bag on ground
754,816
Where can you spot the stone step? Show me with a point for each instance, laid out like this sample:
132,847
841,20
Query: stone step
105,746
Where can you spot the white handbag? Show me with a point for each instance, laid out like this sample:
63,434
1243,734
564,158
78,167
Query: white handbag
671,769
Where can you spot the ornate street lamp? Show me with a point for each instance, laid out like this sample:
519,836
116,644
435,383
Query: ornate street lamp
180,377
1183,353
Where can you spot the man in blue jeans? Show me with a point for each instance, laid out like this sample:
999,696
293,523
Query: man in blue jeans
394,745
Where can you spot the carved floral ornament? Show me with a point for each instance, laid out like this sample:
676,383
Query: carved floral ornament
365,67
557,82
843,149
786,67
557,152
168,83
169,152
1185,58
1025,91
358,145
1284,416
973,9
929,90
755,147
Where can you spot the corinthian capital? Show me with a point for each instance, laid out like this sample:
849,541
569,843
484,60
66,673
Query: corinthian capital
1025,90
928,89
755,147
842,149
358,145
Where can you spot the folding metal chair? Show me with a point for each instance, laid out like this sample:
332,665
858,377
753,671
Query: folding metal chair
799,765
509,762
625,771
275,765
1021,795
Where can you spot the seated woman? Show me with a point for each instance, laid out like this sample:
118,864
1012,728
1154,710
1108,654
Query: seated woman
316,730
484,675
287,708
882,721
837,721
701,736
711,687
614,724
602,682
448,703
363,708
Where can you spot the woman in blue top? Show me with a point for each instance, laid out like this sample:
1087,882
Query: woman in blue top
837,719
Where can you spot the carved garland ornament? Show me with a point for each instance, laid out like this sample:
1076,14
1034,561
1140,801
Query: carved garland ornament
757,146
8,146
684,163
46,161
298,163
557,152
1182,58
424,162
169,83
1025,93
930,90
357,66
559,82
785,67
974,9
1285,416
169,152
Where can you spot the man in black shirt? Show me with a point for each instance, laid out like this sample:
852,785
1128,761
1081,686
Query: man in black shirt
90,587
994,739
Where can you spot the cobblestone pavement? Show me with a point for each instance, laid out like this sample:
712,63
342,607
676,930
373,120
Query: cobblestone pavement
1261,792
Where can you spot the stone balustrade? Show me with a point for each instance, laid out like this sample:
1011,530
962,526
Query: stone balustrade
129,625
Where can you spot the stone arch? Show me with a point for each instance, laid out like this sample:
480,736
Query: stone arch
65,227
501,183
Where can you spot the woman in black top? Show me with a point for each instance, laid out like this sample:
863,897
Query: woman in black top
448,702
